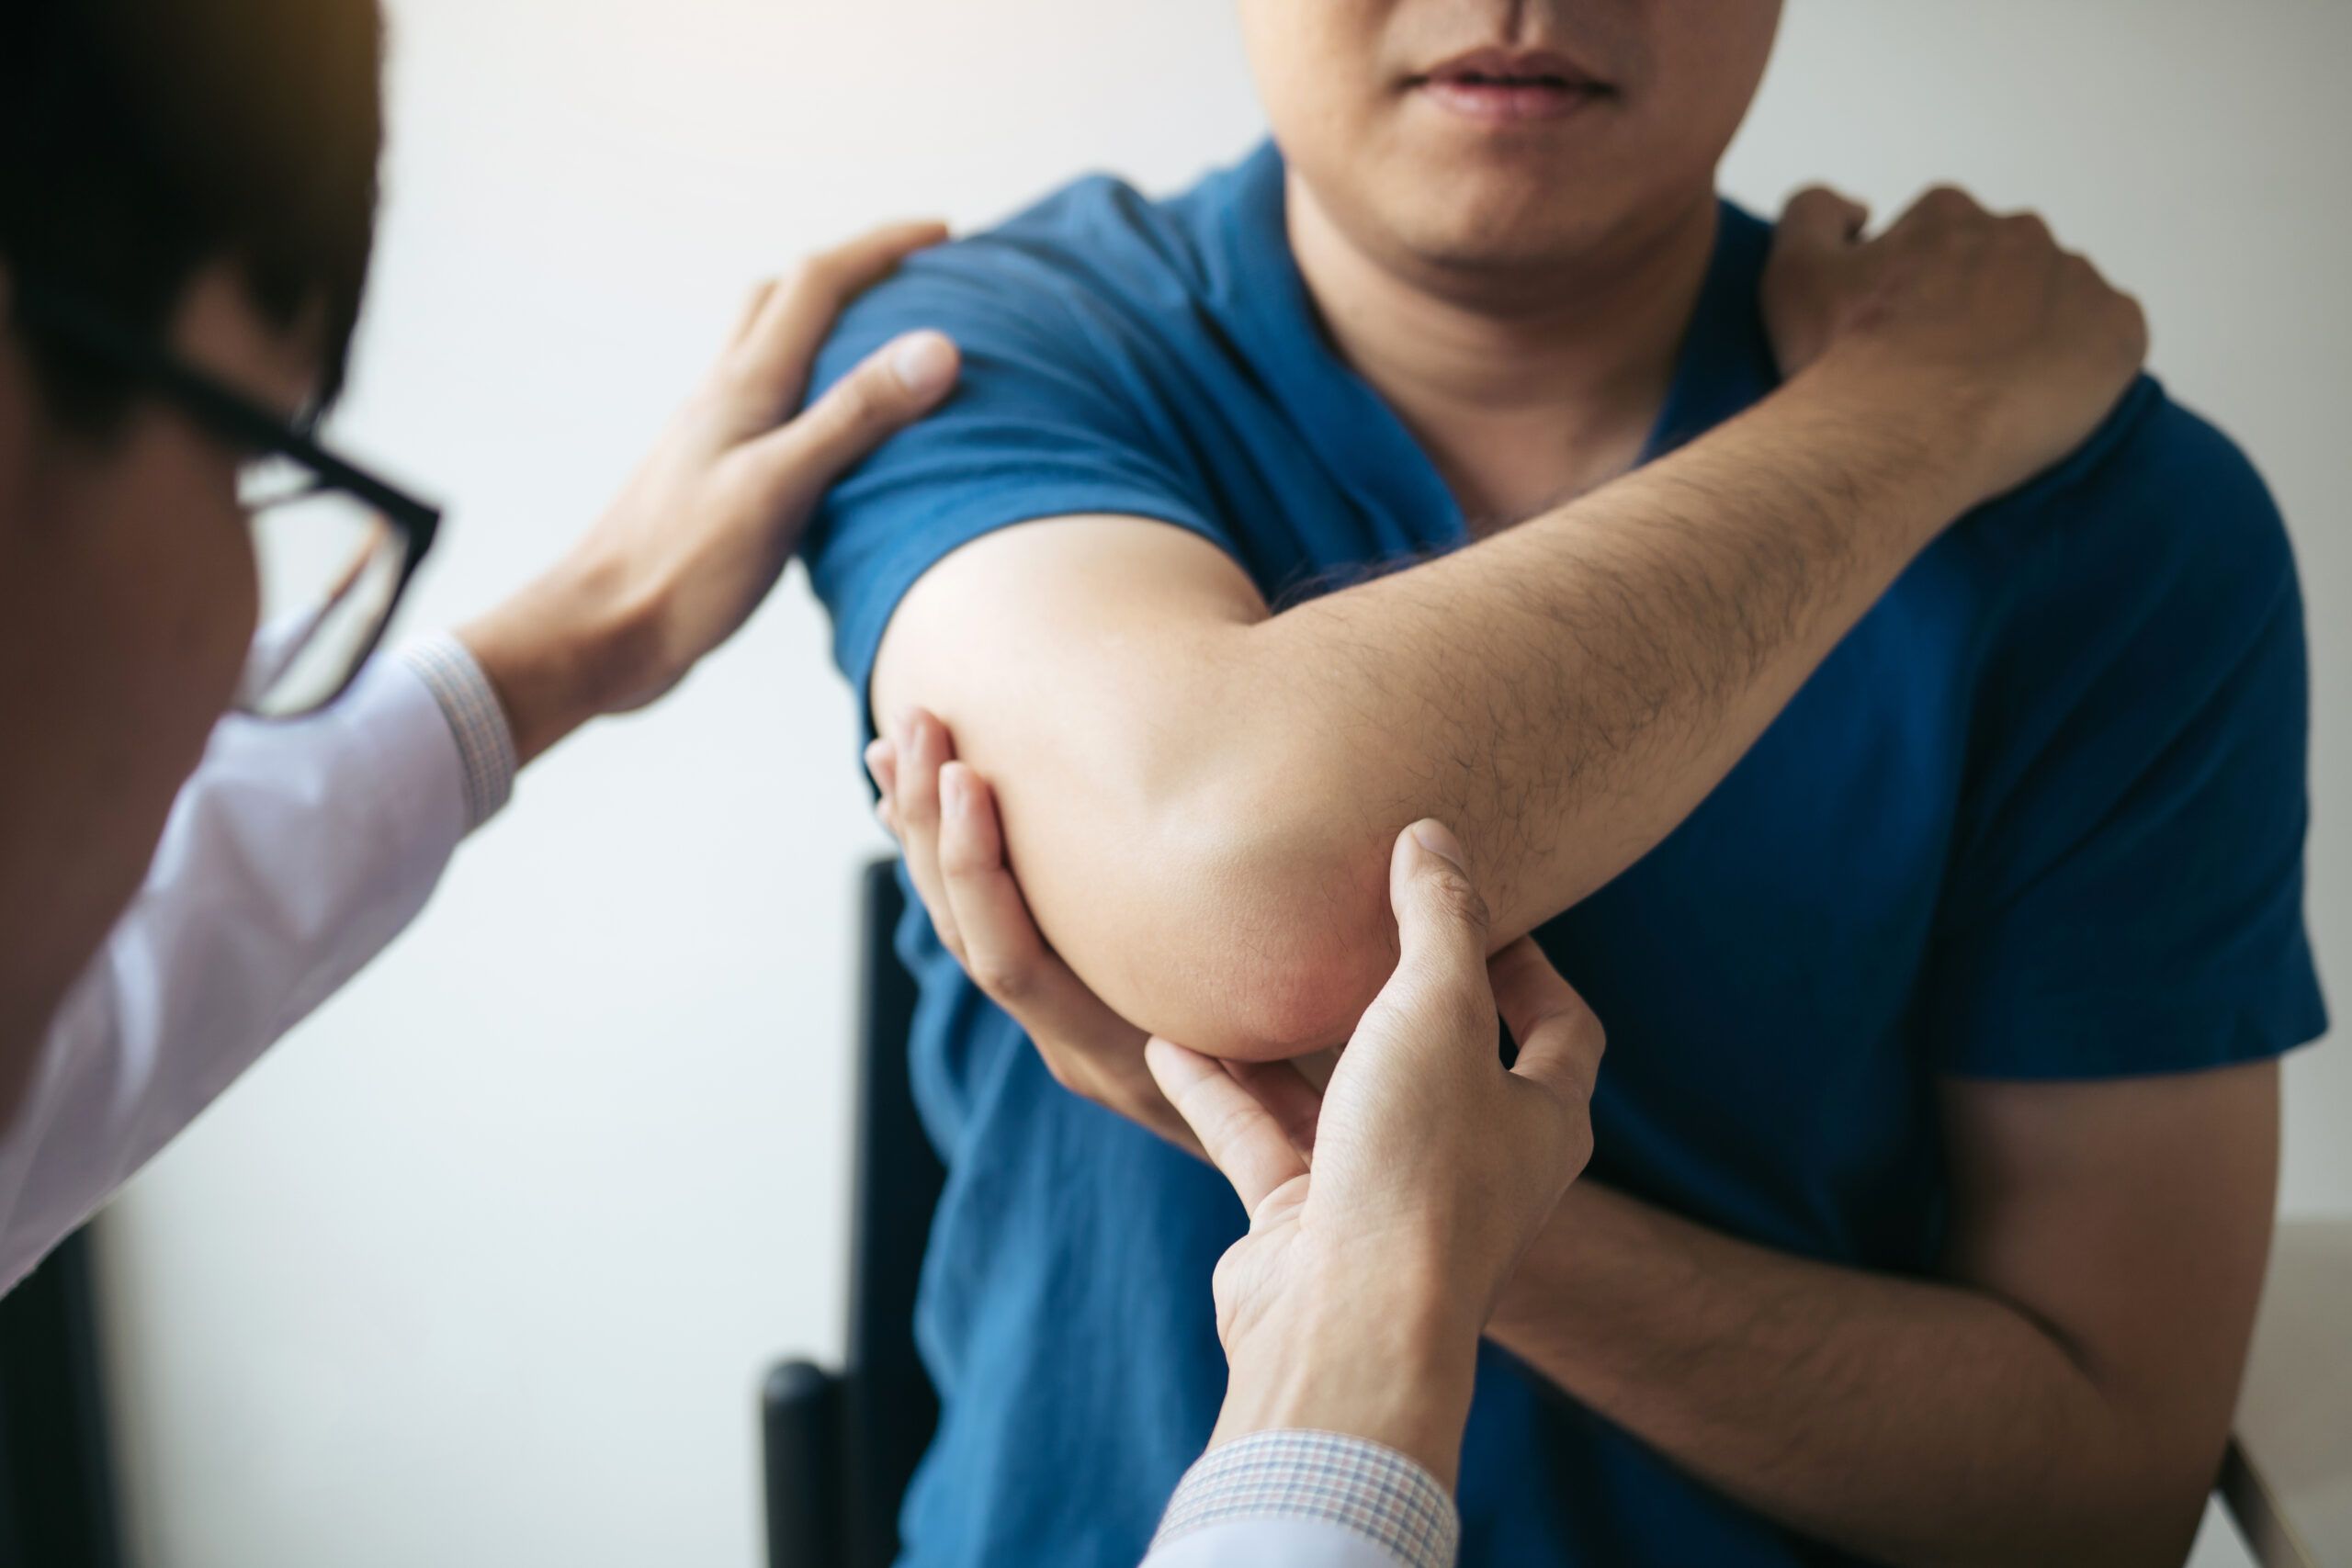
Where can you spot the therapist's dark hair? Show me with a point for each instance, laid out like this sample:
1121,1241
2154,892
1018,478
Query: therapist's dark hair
143,141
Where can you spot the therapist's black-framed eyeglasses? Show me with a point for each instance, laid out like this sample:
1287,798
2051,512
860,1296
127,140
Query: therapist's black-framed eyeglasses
335,546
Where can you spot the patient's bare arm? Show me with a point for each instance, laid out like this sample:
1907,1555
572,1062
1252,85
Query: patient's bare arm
2059,1393
1198,794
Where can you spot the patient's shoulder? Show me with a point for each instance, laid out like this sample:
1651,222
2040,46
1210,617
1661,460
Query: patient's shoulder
1093,264
2158,510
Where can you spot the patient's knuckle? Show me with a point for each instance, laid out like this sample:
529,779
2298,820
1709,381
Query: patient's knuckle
2132,321
1816,205
1948,203
2029,229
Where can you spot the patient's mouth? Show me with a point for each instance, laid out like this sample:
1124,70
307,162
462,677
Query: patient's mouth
1501,86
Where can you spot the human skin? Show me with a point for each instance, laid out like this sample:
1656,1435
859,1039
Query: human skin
2058,1390
1514,285
1200,827
126,599
1198,805
1434,1165
127,583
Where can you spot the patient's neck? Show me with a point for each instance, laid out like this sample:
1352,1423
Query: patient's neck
1523,389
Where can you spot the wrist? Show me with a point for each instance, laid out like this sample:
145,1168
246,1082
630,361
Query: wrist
1391,1359
557,654
1568,1251
1930,437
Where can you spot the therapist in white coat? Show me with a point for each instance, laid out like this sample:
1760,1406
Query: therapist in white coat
302,844
217,803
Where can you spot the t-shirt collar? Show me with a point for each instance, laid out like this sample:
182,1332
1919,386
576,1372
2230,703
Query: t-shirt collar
1725,363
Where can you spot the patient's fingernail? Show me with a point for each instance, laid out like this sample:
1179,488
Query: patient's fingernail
953,792
924,362
1435,837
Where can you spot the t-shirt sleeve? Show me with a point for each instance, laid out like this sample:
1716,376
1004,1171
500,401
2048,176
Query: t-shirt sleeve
1052,417
2127,897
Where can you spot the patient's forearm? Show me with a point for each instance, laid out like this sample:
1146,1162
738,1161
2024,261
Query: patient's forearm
1566,691
1197,795
1562,693
1908,1420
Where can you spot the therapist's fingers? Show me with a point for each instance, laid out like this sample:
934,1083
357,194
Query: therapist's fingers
769,363
922,748
752,306
1242,1137
1088,1048
1290,1096
1438,1000
1560,1041
895,386
882,762
882,765
1002,950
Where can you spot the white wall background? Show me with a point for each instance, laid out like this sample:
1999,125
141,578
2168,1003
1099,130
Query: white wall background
483,1267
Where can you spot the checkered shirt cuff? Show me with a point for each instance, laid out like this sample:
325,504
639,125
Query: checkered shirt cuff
485,744
1368,1488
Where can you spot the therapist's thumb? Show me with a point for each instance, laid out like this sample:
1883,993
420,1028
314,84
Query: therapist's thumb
1442,921
895,386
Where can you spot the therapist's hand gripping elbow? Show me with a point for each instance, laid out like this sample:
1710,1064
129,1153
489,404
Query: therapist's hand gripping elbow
1386,1215
1390,1193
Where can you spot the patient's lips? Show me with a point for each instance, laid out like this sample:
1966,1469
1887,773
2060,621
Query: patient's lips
1511,86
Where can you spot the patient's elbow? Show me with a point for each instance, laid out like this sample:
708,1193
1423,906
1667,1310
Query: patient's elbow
1258,928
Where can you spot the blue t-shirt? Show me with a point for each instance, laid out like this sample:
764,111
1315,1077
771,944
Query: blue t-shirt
2040,815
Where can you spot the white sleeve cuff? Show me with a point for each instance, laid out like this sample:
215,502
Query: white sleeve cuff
1351,1482
485,743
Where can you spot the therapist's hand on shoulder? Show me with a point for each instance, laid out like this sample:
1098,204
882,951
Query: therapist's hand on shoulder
705,528
1388,1213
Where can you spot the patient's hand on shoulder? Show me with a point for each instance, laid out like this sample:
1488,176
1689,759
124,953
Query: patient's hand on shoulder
1976,329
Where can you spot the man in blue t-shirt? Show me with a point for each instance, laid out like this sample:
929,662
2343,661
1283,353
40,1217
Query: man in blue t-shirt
1905,761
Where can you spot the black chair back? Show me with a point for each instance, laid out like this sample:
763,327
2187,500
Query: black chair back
841,1447
891,1409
